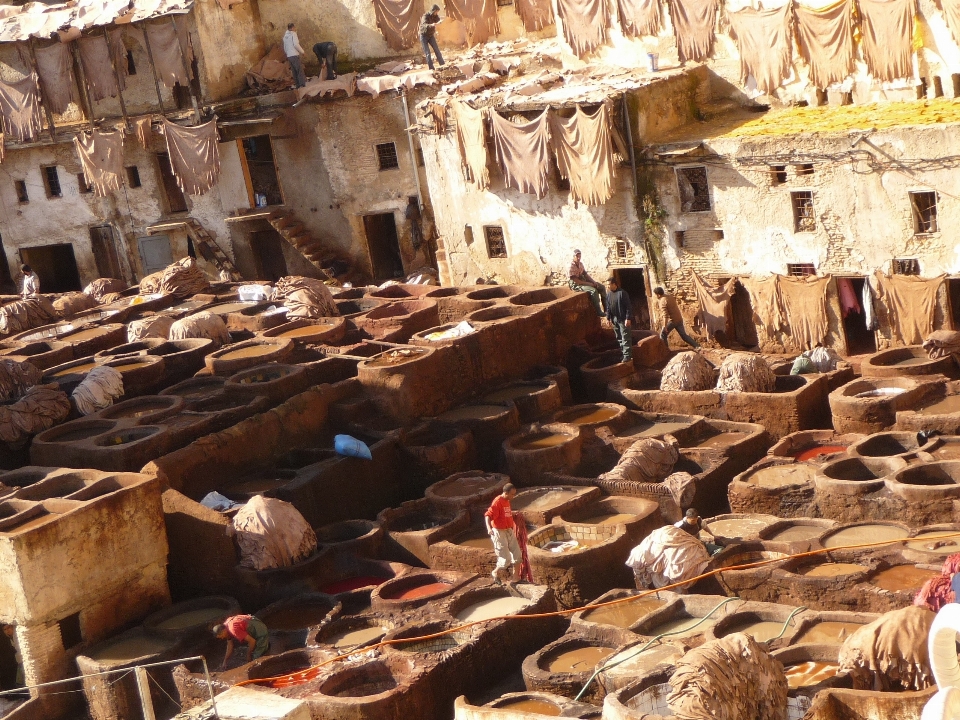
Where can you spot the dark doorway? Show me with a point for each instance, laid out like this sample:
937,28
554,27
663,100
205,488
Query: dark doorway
634,281
860,341
6,279
8,662
56,266
268,254
105,251
953,288
744,328
262,182
384,246
176,202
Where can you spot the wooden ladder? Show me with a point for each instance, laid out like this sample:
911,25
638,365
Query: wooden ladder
207,246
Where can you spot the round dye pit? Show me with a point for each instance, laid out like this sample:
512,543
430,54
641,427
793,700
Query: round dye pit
531,705
721,440
587,415
191,619
818,451
249,351
945,406
357,582
828,632
902,578
358,637
796,533
75,369
737,528
774,476
809,673
297,617
577,660
681,625
473,412
938,543
492,608
759,630
863,534
541,499
130,648
512,392
829,570
625,614
466,486
539,441
474,539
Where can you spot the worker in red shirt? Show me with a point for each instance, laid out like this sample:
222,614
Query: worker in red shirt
500,526
246,629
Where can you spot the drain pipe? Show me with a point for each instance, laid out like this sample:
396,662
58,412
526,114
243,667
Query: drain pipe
413,152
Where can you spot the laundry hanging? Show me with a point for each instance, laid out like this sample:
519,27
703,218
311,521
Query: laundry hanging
825,41
143,127
55,68
168,58
765,43
97,70
584,150
714,304
523,152
535,14
20,109
869,313
805,305
767,305
694,27
118,49
910,302
399,21
584,24
101,157
479,18
886,27
640,17
951,13
473,145
194,155
848,298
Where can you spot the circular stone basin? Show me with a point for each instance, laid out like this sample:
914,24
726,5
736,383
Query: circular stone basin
941,475
373,678
76,367
129,648
856,469
345,531
624,614
827,632
935,543
863,533
529,705
944,406
902,578
738,527
474,539
793,531
679,625
752,624
830,569
817,452
354,582
541,498
492,607
190,616
594,414
514,391
541,440
125,437
888,444
254,350
76,430
350,633
473,412
142,407
226,308
417,587
575,660
392,358
777,476
473,483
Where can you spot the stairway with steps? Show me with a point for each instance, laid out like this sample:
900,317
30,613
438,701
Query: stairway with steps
204,244
294,232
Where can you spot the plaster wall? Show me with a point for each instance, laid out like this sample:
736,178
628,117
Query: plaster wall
224,64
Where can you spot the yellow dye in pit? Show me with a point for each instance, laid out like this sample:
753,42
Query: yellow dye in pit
76,369
860,534
191,618
305,331
131,648
494,607
580,660
352,638
828,633
809,673
248,352
796,533
783,475
588,416
539,442
935,543
832,569
529,705
902,578
625,614
759,630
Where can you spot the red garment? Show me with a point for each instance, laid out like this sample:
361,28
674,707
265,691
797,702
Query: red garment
237,626
951,565
520,529
848,298
500,514
935,593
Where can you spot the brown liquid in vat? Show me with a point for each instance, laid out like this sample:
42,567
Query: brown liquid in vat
538,500
902,578
76,369
936,542
721,440
612,518
85,335
859,534
625,614
654,429
797,532
230,307
810,673
296,618
492,608
482,542
248,352
473,412
828,633
759,630
511,393
539,442
682,625
909,362
463,487
588,416
126,367
352,638
736,527
539,707
832,569
305,331
130,649
191,618
945,406
783,475
580,660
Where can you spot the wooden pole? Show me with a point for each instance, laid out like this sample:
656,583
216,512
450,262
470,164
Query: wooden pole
153,68
186,70
116,74
83,83
143,687
43,98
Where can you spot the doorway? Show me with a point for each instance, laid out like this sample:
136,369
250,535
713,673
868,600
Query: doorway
6,279
744,328
268,254
953,291
260,171
860,340
105,251
56,265
176,202
10,669
155,253
384,246
634,281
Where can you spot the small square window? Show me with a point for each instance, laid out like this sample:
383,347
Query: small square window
719,233
778,174
906,266
622,250
419,157
21,188
804,219
804,169
801,269
496,245
924,205
504,3
82,184
70,633
133,176
387,156
680,236
694,191
51,181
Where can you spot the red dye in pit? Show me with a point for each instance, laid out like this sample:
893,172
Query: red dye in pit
420,591
817,451
353,583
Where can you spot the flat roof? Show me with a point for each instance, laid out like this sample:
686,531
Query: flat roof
39,20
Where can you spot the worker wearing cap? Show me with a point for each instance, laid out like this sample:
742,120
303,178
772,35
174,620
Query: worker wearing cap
428,35
246,629
581,281
692,524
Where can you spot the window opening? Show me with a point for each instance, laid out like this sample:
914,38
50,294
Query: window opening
496,244
694,191
133,176
778,174
51,181
387,156
803,217
804,169
680,236
21,187
70,633
82,184
906,266
924,205
801,269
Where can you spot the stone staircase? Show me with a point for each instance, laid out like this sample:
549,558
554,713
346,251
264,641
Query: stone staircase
294,232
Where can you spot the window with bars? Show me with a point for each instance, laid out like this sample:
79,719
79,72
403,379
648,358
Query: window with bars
924,206
906,266
496,244
801,269
387,156
778,174
803,218
51,181
623,250
694,190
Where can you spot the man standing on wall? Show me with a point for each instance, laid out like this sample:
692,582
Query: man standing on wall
620,315
428,35
31,283
581,281
326,53
500,527
293,51
670,318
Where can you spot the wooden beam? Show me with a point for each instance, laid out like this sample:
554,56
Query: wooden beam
186,70
51,128
116,74
85,89
153,68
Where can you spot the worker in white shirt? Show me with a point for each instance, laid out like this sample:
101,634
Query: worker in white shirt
31,283
293,51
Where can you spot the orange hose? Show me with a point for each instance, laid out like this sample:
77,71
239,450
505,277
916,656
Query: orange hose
302,676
